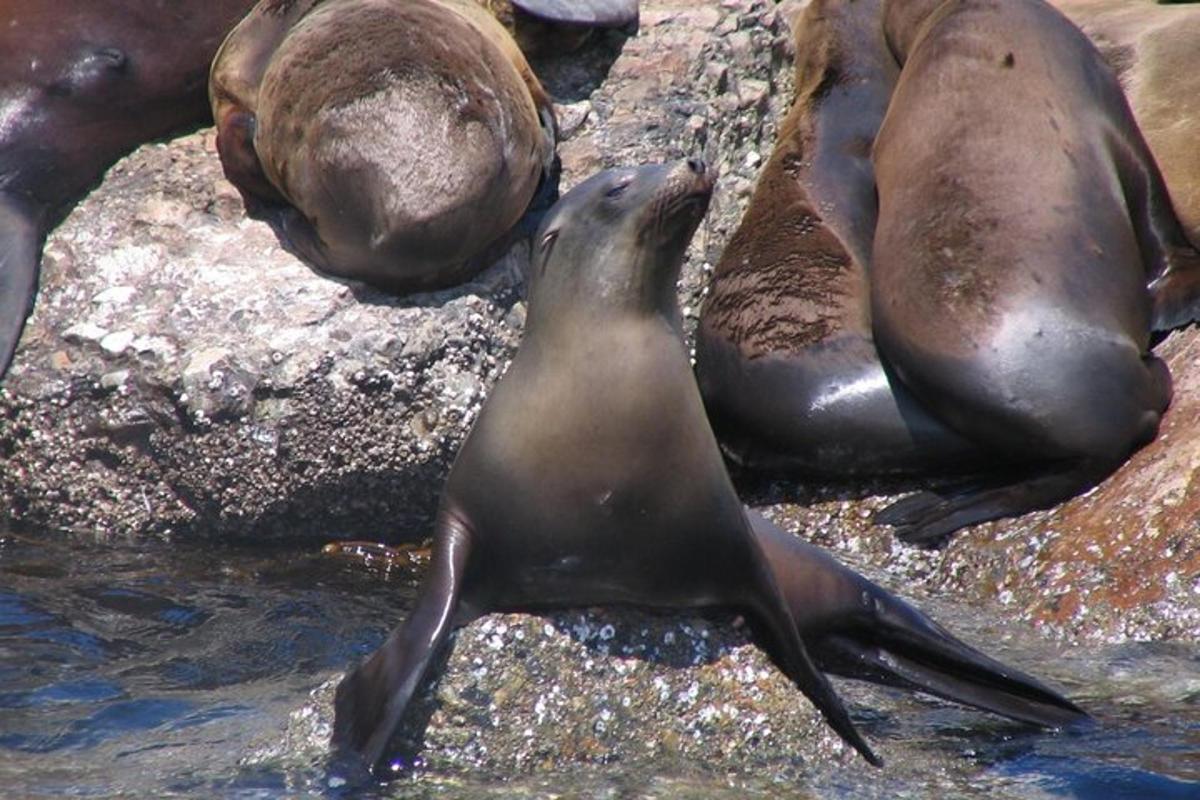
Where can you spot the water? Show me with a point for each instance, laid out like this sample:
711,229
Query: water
144,669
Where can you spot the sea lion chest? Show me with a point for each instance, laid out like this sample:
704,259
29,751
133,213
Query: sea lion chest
592,459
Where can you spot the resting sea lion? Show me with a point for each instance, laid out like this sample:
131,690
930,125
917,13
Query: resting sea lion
784,354
1153,49
390,141
591,477
1021,220
83,83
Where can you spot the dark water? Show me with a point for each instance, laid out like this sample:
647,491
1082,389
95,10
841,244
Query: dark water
150,670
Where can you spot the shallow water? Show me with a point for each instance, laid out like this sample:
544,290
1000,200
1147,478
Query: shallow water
144,669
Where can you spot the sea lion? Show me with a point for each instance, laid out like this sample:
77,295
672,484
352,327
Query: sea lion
1025,249
592,477
1153,49
784,354
84,82
391,141
559,26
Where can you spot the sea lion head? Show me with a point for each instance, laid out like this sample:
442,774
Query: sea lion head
618,238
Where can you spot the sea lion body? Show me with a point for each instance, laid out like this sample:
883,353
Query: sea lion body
84,82
1021,220
1152,48
784,351
993,312
591,476
392,141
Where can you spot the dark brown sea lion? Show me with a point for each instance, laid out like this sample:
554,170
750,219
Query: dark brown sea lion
784,354
392,141
1025,249
591,477
82,82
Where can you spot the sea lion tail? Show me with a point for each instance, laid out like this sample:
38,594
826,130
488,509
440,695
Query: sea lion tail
371,699
856,629
21,237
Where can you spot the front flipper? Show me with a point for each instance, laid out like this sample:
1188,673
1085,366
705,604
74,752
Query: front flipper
21,238
594,13
855,629
371,699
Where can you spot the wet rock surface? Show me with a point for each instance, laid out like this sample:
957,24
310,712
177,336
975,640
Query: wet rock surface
183,376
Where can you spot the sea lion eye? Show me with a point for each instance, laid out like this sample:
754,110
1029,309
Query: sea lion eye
548,239
618,190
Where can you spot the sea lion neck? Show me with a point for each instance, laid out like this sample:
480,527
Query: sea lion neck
904,23
615,243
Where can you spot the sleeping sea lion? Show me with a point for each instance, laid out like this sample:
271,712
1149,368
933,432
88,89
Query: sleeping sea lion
784,354
1152,46
1025,249
83,83
591,477
391,141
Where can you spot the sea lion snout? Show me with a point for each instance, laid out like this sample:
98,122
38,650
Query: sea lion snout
682,198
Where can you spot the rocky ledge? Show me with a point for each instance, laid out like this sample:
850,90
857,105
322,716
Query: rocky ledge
184,376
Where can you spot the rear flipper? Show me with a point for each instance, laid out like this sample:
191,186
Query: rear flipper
855,629
371,700
927,518
21,237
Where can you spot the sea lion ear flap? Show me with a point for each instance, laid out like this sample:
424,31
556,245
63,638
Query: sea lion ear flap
595,13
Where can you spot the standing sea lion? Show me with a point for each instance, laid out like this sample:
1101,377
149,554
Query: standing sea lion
784,354
82,82
1021,220
591,477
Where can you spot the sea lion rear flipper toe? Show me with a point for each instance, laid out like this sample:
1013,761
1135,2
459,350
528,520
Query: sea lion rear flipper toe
20,245
371,699
856,629
927,518
598,13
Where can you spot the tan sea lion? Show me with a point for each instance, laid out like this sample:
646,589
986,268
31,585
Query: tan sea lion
83,82
592,477
1025,249
1154,48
